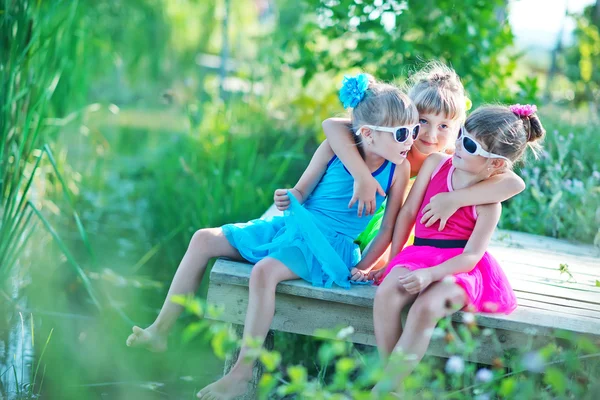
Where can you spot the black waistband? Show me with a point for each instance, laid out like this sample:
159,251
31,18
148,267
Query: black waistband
441,243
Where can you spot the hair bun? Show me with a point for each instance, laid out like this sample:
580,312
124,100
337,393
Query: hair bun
440,77
533,127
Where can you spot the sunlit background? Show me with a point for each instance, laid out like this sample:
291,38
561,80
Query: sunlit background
129,124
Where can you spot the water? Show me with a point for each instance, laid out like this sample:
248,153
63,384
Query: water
132,264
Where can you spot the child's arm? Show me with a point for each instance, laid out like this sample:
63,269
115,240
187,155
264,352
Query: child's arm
309,179
381,242
496,189
487,218
338,134
408,214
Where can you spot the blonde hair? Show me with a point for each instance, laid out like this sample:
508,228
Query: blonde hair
437,89
384,105
505,133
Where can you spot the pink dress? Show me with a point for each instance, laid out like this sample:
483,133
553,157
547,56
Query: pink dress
486,286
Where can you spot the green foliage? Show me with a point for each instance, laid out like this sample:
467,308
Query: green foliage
390,38
563,185
32,63
568,370
580,59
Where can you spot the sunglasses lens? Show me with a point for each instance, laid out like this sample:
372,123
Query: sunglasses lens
416,130
469,145
402,134
460,132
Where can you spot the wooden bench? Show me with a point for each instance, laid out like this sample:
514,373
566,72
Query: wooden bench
548,300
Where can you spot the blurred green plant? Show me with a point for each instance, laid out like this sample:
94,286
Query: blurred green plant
565,368
32,62
562,198
580,59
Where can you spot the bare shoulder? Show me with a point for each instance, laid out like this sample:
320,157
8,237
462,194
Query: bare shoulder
434,159
402,171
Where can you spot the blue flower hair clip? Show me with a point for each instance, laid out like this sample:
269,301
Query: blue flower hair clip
353,89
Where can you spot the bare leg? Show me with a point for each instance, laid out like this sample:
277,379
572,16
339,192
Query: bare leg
390,299
204,245
265,276
429,307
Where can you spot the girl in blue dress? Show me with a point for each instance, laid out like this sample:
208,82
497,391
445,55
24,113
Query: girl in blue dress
314,239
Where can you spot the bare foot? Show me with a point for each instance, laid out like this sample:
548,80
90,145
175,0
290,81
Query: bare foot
228,387
147,338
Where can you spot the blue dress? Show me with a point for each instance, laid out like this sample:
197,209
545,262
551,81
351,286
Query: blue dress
315,240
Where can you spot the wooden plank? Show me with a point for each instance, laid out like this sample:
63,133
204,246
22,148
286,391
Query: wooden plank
523,275
522,240
559,301
237,274
559,309
575,263
304,315
586,281
552,290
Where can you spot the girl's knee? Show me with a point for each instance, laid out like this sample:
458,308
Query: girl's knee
262,273
199,238
203,239
386,290
427,310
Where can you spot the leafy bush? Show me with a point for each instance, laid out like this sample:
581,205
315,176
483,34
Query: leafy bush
390,38
567,367
562,198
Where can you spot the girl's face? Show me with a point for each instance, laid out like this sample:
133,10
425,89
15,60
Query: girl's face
474,164
437,133
385,145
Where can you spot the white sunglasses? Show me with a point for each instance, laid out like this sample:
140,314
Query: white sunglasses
401,133
473,147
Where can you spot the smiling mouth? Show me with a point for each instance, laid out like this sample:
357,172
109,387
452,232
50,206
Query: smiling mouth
404,153
427,143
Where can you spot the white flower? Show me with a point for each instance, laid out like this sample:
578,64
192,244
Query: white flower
596,175
483,396
468,318
455,365
438,333
577,184
534,362
487,332
484,375
345,332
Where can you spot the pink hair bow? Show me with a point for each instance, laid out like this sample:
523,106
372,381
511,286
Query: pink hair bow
524,110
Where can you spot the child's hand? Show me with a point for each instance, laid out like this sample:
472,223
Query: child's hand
376,275
282,200
441,207
416,281
365,192
358,275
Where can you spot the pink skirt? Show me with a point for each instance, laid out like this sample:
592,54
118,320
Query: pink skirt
486,285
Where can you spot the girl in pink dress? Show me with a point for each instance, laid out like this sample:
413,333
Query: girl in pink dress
446,271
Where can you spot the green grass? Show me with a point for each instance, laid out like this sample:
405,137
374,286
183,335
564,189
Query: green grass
562,198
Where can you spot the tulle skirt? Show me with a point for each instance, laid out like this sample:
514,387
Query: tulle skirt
486,285
299,240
